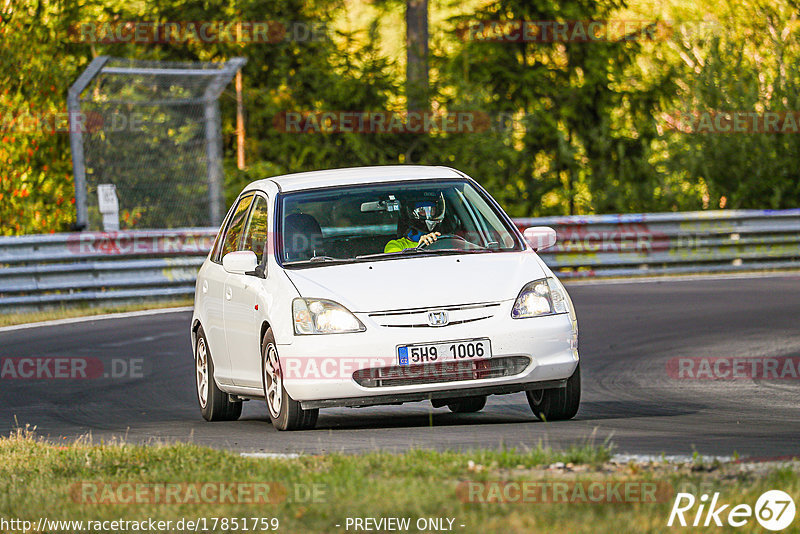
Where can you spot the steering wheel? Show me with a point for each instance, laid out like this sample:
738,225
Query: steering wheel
450,241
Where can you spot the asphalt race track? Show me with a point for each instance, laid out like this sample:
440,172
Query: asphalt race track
629,333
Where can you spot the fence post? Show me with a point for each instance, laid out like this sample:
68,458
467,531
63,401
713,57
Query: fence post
214,161
76,138
214,138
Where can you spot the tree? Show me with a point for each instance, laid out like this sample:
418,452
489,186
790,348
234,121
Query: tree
417,54
573,151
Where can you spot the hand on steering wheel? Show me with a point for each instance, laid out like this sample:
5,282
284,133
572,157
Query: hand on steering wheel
427,239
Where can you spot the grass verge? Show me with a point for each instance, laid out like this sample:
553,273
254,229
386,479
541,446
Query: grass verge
317,493
10,319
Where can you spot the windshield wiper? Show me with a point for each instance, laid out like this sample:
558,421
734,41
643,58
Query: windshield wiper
320,259
378,255
431,251
437,250
390,254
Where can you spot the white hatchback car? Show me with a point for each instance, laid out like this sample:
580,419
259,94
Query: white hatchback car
379,285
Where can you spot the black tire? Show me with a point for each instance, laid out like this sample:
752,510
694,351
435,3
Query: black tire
557,404
216,406
284,412
468,405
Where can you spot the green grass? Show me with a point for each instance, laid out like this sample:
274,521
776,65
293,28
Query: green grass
82,310
38,479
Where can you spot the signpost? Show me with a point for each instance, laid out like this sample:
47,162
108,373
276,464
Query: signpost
109,206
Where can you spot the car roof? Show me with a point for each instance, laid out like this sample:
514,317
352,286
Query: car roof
357,175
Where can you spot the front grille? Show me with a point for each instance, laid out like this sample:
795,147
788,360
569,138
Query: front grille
418,318
449,371
420,325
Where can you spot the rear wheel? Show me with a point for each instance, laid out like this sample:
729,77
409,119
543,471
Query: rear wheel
215,404
285,412
557,404
468,405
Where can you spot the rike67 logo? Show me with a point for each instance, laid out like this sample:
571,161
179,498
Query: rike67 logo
774,510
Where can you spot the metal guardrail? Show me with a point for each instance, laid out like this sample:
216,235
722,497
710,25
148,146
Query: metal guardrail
672,243
41,270
46,270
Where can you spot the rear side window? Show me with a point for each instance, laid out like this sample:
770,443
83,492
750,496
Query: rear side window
255,236
233,232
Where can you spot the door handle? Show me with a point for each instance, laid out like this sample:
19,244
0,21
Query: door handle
228,293
205,286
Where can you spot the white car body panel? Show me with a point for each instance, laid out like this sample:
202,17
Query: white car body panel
357,175
209,297
421,281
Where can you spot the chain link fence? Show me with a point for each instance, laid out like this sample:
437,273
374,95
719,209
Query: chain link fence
152,129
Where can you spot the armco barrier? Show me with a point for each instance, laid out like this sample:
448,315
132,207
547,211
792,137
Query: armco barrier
40,270
672,243
51,269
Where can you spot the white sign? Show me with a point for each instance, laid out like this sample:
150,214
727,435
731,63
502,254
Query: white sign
109,206
107,198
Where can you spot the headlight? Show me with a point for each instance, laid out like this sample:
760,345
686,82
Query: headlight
540,297
320,316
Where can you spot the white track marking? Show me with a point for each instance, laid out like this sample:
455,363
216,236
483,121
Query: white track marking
276,455
677,278
572,282
679,459
88,318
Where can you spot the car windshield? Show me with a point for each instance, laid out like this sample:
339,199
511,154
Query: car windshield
384,221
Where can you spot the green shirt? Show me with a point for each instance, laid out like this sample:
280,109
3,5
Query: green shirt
398,245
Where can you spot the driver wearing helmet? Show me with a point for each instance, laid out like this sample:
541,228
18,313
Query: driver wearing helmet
418,219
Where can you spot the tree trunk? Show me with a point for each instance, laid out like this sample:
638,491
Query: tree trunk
417,54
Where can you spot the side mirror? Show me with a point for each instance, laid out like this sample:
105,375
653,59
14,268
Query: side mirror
240,262
540,237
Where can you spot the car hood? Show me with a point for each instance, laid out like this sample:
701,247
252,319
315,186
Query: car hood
420,282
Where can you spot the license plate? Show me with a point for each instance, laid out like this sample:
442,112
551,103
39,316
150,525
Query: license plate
474,349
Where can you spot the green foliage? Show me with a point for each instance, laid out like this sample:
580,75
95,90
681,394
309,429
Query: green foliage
574,127
747,62
35,69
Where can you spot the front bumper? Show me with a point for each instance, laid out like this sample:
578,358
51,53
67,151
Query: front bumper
318,369
400,398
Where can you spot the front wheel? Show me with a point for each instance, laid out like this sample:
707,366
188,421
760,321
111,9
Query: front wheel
215,404
557,404
285,412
